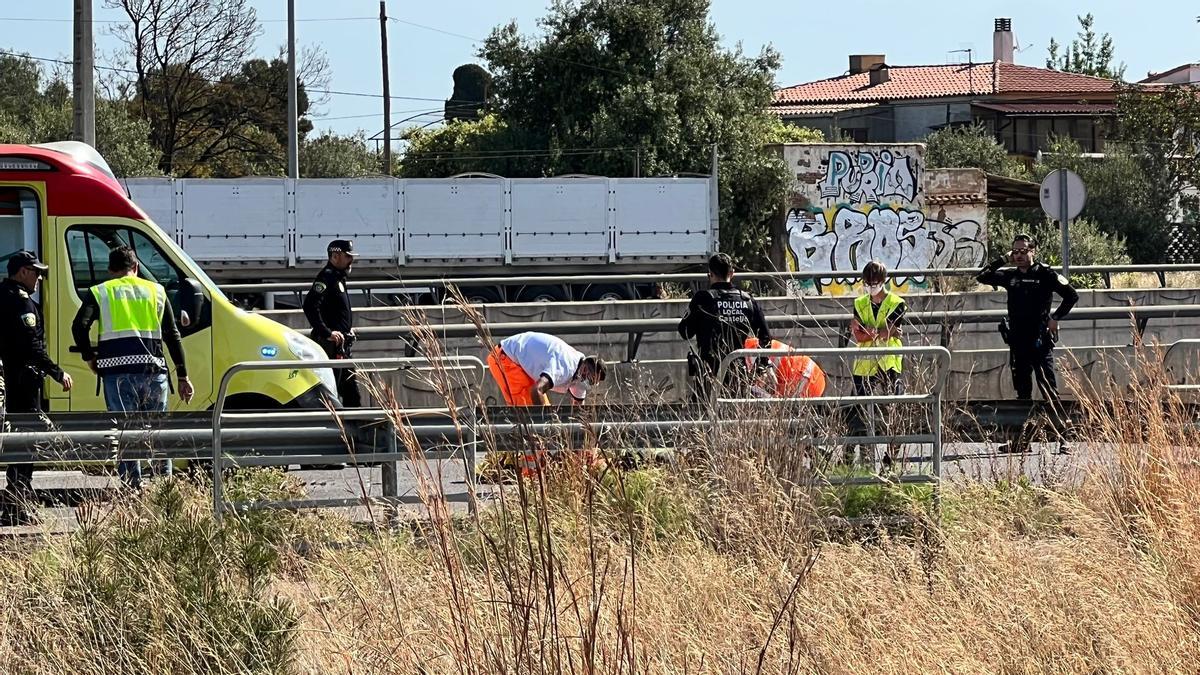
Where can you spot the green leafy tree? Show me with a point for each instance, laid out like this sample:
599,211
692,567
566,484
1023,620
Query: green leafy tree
970,147
213,110
1090,243
611,85
42,114
1087,54
330,155
781,132
1122,199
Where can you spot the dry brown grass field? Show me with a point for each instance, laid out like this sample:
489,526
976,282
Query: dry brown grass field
723,564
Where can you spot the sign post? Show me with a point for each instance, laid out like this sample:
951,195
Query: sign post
1063,196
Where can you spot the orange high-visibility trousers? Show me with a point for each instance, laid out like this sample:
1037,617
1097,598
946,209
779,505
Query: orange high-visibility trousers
517,388
515,384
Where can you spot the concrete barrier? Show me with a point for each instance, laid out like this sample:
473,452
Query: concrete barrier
1089,351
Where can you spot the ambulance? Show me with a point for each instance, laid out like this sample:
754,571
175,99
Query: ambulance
62,201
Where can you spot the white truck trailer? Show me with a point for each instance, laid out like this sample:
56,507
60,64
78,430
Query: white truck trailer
276,229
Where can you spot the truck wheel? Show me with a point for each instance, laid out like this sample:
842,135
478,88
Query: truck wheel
541,294
600,292
482,295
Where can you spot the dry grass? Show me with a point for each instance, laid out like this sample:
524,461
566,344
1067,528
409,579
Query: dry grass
714,566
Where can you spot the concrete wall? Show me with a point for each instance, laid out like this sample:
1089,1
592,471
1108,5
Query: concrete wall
853,203
979,369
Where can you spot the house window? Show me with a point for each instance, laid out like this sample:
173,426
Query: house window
1085,130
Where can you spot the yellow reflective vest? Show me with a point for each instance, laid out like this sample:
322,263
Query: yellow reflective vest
131,316
869,318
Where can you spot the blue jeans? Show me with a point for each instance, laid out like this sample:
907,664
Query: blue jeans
132,393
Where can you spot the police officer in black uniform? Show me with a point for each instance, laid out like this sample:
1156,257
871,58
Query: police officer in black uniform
1031,329
327,307
721,318
23,351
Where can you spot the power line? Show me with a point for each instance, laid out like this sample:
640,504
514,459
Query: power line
114,21
475,39
211,81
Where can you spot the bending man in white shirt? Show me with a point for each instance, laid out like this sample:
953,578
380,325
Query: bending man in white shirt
527,366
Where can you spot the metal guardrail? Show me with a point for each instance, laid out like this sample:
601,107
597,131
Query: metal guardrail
1191,345
1105,271
368,365
635,329
289,426
933,400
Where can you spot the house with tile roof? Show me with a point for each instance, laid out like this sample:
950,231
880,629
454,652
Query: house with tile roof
876,102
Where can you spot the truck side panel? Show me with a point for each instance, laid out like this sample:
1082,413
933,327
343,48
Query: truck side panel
363,210
234,227
662,217
560,219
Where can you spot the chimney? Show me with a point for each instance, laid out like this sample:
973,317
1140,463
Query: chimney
861,63
879,74
1002,41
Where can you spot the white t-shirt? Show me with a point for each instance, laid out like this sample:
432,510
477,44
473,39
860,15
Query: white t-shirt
541,354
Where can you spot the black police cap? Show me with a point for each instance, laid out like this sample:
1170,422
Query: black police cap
341,246
26,259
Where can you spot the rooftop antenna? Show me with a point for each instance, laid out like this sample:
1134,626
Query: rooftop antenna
970,52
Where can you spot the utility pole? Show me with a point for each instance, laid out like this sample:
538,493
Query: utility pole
293,109
387,93
83,89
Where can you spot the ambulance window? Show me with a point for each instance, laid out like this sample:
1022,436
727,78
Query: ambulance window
154,265
19,217
88,247
88,254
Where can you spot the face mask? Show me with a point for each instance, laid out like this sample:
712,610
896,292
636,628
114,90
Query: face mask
579,388
875,289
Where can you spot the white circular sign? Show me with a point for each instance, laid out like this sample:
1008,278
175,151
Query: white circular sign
1052,194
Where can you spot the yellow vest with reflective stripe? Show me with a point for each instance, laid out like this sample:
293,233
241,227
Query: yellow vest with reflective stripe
130,307
870,319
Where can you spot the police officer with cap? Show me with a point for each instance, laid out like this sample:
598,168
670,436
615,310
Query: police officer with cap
721,318
327,307
1031,329
23,351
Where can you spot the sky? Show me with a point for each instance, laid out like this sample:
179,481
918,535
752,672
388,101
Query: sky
427,40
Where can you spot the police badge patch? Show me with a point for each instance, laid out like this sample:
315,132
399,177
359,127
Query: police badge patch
319,287
29,319
1063,280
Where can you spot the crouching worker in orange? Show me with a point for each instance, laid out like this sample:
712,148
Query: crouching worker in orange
527,366
794,376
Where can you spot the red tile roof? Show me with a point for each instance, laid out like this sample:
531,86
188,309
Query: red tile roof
818,110
913,82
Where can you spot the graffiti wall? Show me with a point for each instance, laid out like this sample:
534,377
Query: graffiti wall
855,203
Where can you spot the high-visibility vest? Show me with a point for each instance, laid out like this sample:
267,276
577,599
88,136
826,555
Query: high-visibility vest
131,313
791,371
870,319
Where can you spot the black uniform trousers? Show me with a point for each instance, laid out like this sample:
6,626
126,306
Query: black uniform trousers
1031,358
345,378
22,394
